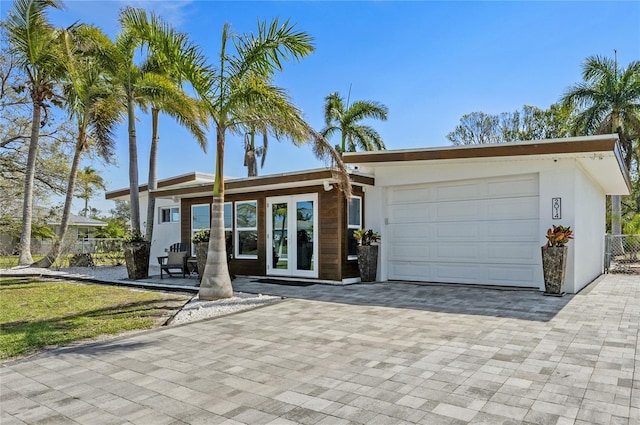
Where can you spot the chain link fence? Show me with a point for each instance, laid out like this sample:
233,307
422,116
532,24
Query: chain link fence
101,251
622,254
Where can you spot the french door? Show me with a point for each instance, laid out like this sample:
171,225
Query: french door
292,223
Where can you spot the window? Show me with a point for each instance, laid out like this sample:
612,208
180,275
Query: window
228,225
169,215
200,217
246,229
354,222
83,233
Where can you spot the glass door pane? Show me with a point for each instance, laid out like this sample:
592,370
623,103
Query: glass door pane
304,235
279,242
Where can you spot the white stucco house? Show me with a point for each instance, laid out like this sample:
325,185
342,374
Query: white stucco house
455,215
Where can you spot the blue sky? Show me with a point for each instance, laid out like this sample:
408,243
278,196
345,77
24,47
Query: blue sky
429,62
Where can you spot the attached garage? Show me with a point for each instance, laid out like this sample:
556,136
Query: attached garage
470,231
479,214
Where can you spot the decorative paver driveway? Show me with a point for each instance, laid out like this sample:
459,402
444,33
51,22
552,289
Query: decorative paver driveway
368,354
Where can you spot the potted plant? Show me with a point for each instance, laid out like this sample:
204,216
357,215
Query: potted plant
367,254
554,259
201,241
136,255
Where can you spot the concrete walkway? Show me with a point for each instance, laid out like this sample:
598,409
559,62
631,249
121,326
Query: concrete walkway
362,354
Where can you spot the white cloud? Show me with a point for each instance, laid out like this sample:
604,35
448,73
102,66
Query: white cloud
174,12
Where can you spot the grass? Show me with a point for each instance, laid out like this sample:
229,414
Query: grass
36,313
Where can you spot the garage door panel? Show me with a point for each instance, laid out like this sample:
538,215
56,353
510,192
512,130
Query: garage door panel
415,271
410,195
512,230
456,211
409,213
509,252
461,231
457,191
514,275
514,187
404,232
460,273
481,231
410,252
457,252
499,209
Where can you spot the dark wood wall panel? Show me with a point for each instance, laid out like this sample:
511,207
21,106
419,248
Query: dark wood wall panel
332,219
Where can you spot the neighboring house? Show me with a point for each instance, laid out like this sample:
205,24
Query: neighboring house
79,233
471,214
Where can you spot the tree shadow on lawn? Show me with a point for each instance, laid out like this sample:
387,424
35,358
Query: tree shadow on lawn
445,298
64,330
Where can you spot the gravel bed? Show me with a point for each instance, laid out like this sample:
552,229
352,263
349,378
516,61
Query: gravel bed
198,309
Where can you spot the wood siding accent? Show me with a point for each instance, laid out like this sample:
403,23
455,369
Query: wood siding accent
332,223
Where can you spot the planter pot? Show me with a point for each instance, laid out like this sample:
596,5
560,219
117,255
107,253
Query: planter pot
202,249
554,264
368,262
136,256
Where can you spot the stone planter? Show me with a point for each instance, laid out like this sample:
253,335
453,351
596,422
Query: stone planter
136,257
368,262
554,264
202,249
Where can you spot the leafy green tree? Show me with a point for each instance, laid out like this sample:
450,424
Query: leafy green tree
34,45
528,123
345,120
608,101
240,95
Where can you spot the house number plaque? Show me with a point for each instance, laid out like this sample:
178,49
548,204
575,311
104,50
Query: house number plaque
556,208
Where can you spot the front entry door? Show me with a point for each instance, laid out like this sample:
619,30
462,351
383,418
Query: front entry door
292,223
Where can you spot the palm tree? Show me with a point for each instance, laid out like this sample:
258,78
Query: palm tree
92,103
163,41
252,153
346,119
34,44
240,96
156,82
608,101
88,181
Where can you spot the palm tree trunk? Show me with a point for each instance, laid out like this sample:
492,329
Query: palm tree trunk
27,203
133,165
54,252
152,182
216,282
86,206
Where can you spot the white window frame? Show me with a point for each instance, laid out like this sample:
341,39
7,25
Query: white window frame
237,229
354,226
171,220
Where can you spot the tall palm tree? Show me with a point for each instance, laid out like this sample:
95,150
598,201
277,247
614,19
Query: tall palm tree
240,95
345,119
147,83
608,101
34,44
92,102
162,42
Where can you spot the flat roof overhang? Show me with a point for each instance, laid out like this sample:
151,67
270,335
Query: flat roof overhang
193,189
600,156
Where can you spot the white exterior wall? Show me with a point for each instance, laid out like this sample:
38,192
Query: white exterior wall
557,178
590,229
164,234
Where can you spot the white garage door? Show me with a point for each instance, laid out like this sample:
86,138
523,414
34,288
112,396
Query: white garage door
473,231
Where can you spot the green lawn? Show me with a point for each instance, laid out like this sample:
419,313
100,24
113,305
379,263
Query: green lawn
37,313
